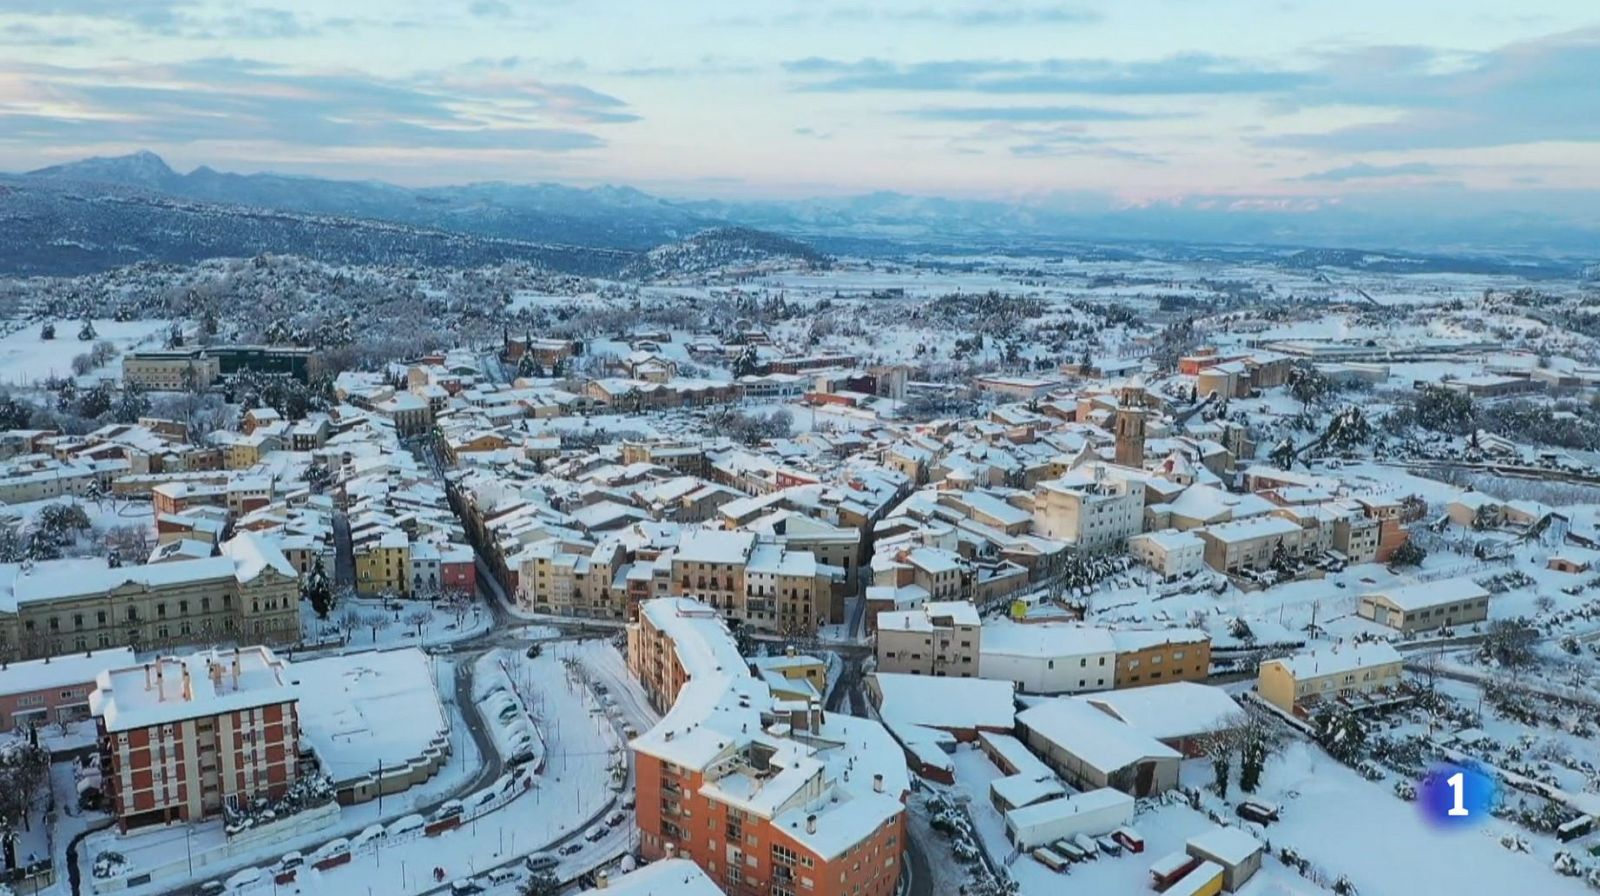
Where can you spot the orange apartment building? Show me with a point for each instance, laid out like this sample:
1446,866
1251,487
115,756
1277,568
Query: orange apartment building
181,737
766,796
1161,656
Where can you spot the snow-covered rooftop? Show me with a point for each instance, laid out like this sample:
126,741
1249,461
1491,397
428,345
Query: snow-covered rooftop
1338,659
1169,711
365,708
208,683
941,702
1092,736
1425,595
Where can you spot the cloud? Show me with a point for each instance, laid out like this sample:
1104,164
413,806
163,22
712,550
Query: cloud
1530,91
1364,171
243,100
1186,74
22,34
1020,113
490,9
259,23
976,15
189,19
154,14
965,15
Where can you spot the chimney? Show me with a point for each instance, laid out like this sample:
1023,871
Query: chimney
601,879
877,783
188,686
214,670
149,683
789,651
236,668
161,680
811,824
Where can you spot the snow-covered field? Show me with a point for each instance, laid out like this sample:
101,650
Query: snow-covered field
25,359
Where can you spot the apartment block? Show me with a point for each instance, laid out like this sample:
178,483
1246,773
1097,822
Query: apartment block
940,638
764,798
182,737
1090,511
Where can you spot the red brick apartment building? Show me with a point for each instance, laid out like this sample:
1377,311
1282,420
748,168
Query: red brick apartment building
766,796
180,737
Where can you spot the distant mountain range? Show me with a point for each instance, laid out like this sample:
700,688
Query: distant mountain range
101,212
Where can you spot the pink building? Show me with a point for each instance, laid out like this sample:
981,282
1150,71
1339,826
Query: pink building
38,692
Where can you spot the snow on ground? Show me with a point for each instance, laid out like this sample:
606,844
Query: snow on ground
1350,826
349,706
404,626
567,799
104,515
1342,823
25,359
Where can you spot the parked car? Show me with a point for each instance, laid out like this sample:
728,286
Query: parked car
332,848
291,861
371,833
571,849
628,803
448,810
1258,812
465,887
596,835
212,888
406,825
616,819
245,878
499,877
540,861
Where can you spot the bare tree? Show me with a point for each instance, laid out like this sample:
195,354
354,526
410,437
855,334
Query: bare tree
131,542
1217,745
377,622
348,622
418,619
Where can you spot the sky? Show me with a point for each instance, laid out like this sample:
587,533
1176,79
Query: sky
1126,103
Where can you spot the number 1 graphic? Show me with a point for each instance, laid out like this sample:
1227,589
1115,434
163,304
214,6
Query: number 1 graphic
1458,784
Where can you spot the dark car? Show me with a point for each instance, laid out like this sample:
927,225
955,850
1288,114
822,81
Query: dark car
616,819
571,848
596,835
1260,813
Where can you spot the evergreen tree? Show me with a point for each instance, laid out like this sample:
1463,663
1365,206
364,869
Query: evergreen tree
318,590
1408,554
48,331
86,333
542,884
1340,733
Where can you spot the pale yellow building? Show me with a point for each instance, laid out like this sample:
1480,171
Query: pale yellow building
383,564
1298,683
248,592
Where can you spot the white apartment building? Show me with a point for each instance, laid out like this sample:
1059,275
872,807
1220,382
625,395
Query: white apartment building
1170,553
940,638
1092,513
